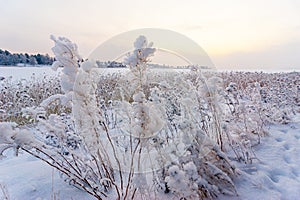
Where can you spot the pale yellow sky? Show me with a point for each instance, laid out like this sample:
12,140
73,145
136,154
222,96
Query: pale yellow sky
234,33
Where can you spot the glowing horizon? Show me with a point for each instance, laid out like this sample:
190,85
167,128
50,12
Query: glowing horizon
248,34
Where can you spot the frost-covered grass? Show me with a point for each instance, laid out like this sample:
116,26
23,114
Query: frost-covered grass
241,94
144,134
272,102
18,94
278,91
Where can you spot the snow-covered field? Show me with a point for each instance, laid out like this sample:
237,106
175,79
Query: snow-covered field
261,138
18,73
275,176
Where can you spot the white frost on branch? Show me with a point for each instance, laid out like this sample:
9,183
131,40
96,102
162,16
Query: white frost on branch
12,137
24,137
138,60
67,56
85,111
177,181
7,132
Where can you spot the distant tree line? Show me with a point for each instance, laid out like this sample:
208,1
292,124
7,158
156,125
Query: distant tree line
7,58
110,64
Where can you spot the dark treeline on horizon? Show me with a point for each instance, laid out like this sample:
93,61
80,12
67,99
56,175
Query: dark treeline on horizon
13,59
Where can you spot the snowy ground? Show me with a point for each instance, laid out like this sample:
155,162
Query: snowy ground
275,176
18,73
25,177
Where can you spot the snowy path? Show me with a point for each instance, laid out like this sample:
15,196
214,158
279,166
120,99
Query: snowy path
277,175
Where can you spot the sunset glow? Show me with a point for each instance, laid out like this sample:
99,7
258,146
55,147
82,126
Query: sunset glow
233,33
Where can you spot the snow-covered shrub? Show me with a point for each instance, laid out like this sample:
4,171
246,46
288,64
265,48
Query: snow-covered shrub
91,154
202,170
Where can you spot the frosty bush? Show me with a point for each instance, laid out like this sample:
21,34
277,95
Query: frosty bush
15,96
145,134
254,100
